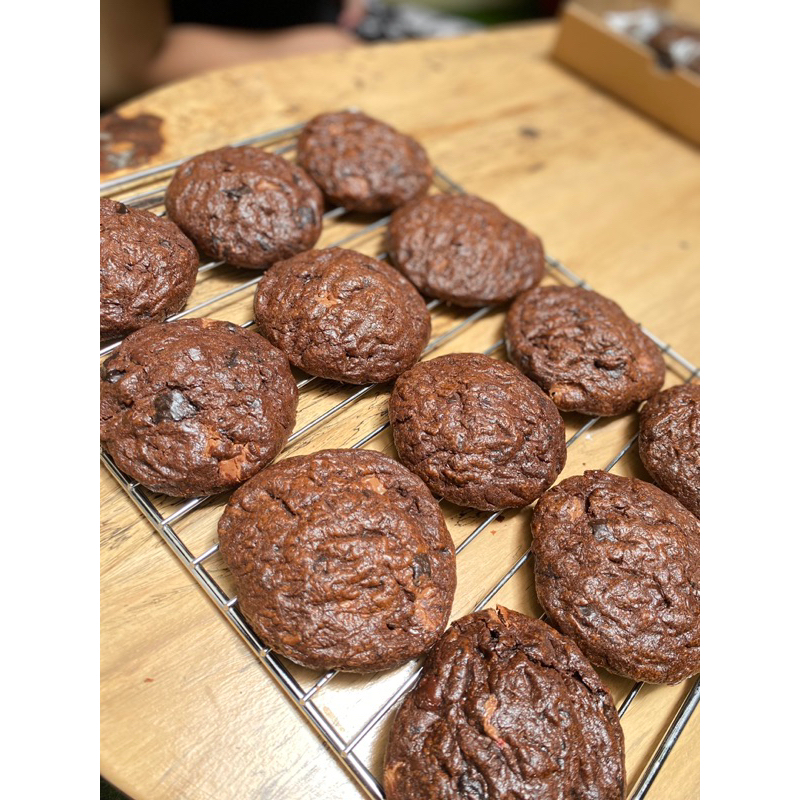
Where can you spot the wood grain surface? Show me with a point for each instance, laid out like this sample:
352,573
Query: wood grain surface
186,709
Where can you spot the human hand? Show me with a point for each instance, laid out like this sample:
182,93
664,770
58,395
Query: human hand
352,13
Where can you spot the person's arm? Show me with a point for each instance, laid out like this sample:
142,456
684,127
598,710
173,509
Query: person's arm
352,13
190,49
131,34
140,49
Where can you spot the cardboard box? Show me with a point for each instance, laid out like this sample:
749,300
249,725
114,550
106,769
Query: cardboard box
627,68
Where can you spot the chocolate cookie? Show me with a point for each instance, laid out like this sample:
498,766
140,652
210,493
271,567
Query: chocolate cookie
361,163
477,432
245,206
669,442
618,571
506,708
583,350
677,45
343,315
342,560
195,406
464,250
147,268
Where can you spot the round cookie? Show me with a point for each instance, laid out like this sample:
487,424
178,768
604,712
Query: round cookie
464,250
669,442
196,406
506,708
477,432
361,163
342,315
583,350
147,268
341,559
245,206
618,571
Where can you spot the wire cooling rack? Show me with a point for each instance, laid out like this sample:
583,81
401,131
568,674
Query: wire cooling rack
145,189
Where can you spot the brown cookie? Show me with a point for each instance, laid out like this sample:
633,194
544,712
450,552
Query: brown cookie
342,560
618,571
245,206
464,250
677,45
147,268
583,350
196,406
477,432
343,315
669,442
506,708
361,163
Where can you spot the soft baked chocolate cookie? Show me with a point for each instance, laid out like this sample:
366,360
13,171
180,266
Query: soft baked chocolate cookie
361,163
342,560
506,708
464,250
195,406
147,268
343,315
618,571
669,442
477,432
583,350
245,206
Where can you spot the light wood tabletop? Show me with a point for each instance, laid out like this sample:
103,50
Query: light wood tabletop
187,711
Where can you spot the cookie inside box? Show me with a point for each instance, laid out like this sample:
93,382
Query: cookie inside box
646,55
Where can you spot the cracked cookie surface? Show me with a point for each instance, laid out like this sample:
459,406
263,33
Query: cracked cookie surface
342,315
506,709
669,442
245,206
195,406
341,559
477,431
464,250
617,566
583,350
361,163
148,268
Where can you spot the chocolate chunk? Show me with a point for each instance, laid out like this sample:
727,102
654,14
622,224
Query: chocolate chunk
173,405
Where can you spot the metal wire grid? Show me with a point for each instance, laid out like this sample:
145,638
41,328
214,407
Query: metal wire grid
303,698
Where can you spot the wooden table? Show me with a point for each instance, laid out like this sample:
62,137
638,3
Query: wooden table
186,709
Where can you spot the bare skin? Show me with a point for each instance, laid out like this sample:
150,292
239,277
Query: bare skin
140,49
